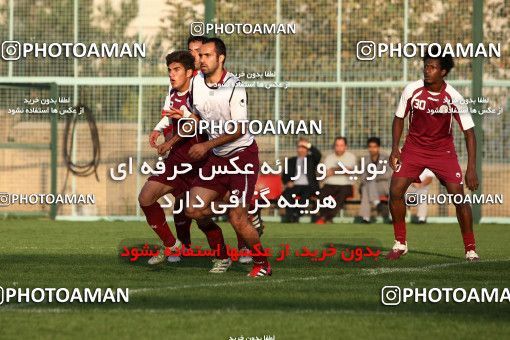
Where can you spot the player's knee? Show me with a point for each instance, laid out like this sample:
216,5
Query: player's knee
461,206
190,212
396,194
236,220
144,199
239,221
193,213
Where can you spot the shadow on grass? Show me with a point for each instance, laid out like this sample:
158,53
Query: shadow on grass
292,289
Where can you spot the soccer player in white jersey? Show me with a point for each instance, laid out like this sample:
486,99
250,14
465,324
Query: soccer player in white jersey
218,96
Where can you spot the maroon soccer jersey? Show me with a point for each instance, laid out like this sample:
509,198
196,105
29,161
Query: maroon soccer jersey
180,149
431,116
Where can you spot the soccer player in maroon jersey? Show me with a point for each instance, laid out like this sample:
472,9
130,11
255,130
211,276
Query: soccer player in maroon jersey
181,221
432,105
180,67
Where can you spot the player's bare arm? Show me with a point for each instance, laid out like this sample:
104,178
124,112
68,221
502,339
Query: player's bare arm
175,113
153,137
166,146
471,176
157,131
397,128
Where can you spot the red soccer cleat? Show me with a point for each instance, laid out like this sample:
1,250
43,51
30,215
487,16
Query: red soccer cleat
397,251
320,221
260,270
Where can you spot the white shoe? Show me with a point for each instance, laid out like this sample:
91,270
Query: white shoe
161,257
397,251
472,256
174,259
245,259
220,266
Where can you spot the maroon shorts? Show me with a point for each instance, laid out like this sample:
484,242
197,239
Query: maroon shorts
238,184
443,164
182,182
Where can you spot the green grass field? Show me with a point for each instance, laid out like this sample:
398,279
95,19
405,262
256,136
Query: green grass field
302,300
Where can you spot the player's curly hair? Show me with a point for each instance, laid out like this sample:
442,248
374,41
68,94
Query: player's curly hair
182,57
445,61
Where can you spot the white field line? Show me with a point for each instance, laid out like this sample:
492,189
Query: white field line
363,272
180,310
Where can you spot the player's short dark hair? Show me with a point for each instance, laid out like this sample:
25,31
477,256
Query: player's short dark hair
193,38
340,138
219,46
375,140
182,57
445,61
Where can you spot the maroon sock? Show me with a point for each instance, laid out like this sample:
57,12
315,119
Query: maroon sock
399,228
240,242
182,226
259,259
215,238
469,241
157,220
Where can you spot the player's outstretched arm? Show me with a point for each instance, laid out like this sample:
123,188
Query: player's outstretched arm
396,133
166,146
158,130
153,137
471,176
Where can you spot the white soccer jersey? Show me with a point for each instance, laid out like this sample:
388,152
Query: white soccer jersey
228,102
